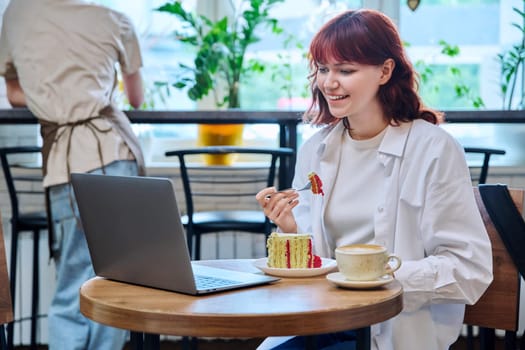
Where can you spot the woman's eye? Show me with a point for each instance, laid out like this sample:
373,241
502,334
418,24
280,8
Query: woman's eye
323,69
347,71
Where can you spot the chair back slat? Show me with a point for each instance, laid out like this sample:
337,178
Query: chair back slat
498,307
23,178
479,173
226,182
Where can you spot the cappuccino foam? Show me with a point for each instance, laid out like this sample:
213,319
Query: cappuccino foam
361,249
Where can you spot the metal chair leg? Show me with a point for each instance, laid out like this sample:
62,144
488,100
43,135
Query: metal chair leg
12,284
197,246
3,340
35,283
151,341
189,343
189,240
136,340
510,340
470,338
487,338
36,288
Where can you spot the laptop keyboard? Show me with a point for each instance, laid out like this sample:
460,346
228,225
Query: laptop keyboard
207,282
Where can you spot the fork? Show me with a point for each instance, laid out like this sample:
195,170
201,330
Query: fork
305,187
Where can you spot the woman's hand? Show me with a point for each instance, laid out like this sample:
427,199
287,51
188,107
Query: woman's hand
278,207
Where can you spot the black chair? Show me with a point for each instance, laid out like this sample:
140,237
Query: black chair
225,185
499,306
23,187
480,173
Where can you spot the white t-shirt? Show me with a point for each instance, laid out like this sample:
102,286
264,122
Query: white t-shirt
349,216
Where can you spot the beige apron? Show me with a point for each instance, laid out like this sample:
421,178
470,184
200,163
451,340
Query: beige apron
51,132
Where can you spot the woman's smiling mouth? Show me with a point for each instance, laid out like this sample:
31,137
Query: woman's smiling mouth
335,98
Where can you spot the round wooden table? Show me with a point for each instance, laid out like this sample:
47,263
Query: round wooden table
291,306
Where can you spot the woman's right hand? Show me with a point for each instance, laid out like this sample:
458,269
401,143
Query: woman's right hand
278,207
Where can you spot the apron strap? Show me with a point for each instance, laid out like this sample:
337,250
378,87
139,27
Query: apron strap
52,132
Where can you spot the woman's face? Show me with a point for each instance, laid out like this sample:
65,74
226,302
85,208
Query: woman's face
350,88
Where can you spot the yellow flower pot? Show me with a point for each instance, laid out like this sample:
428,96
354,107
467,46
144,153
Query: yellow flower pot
220,135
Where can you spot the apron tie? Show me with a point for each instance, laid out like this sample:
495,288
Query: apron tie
52,132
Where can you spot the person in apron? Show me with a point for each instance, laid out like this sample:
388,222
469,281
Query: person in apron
59,58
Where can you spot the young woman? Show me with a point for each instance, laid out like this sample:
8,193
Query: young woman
390,176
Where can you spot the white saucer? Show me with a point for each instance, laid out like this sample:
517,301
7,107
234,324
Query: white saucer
338,279
327,265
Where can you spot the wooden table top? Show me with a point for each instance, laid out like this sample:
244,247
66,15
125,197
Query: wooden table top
291,306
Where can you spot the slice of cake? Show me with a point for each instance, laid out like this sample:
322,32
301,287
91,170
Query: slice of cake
317,184
292,251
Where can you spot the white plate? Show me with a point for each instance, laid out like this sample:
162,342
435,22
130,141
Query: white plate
327,265
338,279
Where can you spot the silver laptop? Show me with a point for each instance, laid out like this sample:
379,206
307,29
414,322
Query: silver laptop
134,235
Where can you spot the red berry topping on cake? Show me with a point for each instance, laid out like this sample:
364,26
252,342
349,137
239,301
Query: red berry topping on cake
317,184
317,261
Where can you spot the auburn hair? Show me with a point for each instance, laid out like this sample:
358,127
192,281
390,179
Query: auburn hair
366,37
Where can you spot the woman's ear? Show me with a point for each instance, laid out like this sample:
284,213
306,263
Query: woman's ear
387,70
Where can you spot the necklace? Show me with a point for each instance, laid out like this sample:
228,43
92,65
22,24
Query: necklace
346,123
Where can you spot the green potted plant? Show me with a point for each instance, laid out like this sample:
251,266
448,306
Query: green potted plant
219,63
454,74
512,71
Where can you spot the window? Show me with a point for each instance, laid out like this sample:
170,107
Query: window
479,28
284,86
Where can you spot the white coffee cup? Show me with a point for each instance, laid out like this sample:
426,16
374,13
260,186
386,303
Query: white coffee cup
365,262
